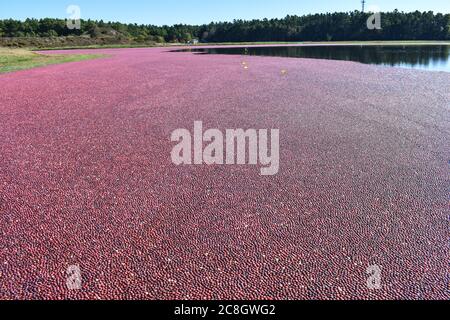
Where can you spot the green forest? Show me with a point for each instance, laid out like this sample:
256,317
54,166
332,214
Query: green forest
346,26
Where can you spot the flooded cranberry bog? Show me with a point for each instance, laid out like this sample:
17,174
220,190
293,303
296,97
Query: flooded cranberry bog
87,184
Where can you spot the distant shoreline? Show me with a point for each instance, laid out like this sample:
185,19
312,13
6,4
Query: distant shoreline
237,44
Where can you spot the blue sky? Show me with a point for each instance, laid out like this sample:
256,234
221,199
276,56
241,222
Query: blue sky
160,12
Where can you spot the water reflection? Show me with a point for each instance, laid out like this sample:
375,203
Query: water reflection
436,58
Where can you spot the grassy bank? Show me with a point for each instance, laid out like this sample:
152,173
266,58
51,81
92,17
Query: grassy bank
20,59
108,46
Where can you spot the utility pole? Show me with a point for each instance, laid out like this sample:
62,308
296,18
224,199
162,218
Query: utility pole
363,5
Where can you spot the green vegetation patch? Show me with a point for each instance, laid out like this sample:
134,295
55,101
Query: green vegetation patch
338,26
18,59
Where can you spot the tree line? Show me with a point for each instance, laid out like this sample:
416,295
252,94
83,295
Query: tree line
344,26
